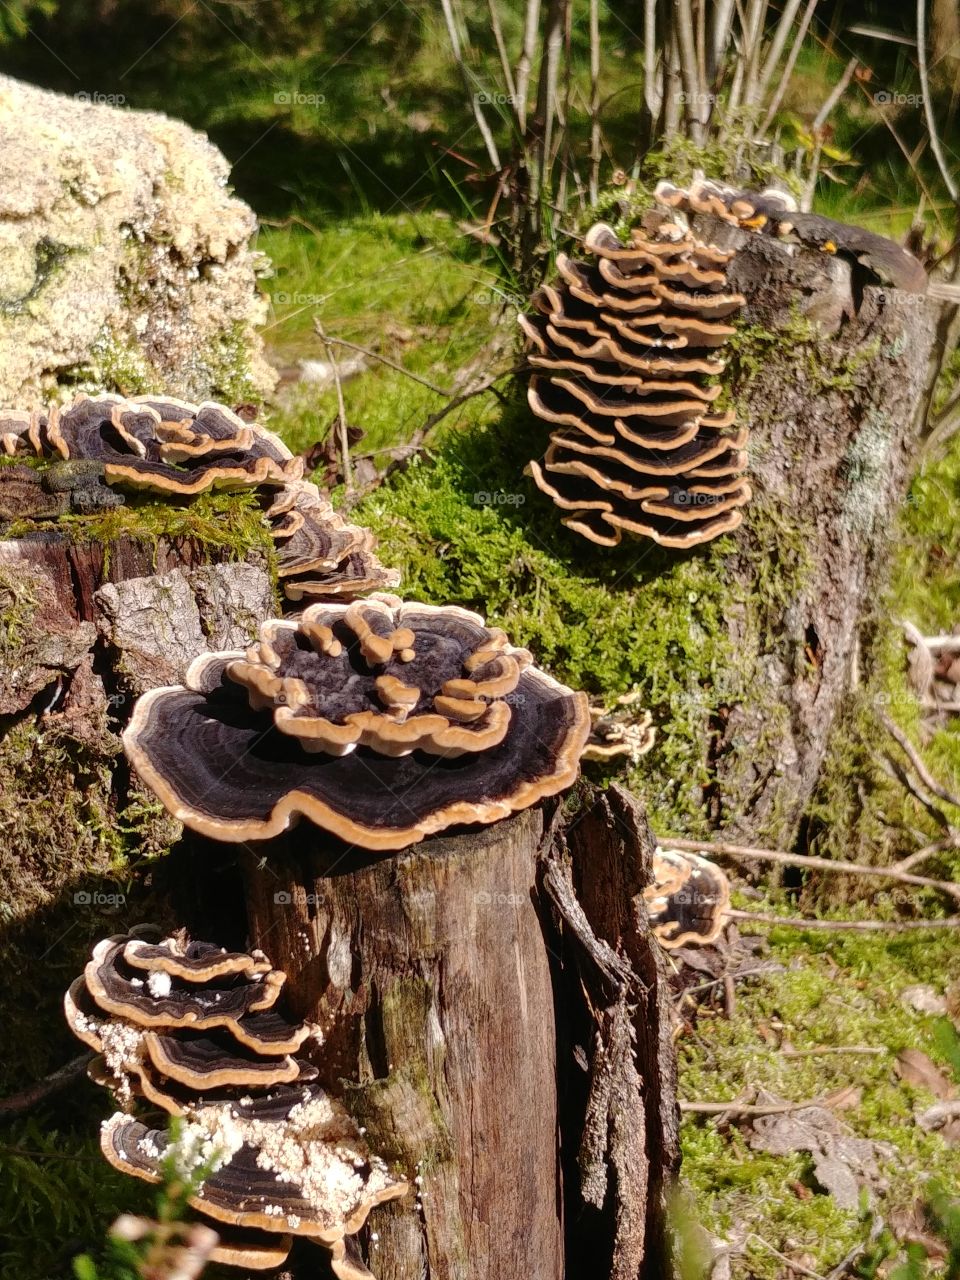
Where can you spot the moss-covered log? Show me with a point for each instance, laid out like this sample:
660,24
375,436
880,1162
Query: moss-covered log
500,1031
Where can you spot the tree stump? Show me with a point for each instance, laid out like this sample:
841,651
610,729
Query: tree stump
511,1061
831,375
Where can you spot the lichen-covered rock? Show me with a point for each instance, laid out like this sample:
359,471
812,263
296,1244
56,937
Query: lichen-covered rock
124,259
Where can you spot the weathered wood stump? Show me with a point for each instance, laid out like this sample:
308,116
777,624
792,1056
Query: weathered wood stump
513,1061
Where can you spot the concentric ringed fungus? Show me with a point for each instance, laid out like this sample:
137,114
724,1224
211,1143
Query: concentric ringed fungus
166,447
278,1157
688,901
382,722
623,352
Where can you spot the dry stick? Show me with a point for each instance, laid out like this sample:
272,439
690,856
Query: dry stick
838,1048
836,926
595,147
481,119
808,860
341,408
747,1108
753,57
391,364
948,179
719,39
910,751
652,87
797,1267
52,1083
505,67
531,24
927,852
914,169
694,92
777,46
839,89
791,62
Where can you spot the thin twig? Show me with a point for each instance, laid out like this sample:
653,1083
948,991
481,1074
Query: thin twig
927,100
822,1049
747,1108
341,408
52,1083
927,852
910,751
798,1267
596,150
808,860
468,84
391,364
785,78
505,67
859,926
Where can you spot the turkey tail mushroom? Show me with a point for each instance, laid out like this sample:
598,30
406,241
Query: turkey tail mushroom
276,1157
340,716
623,352
689,900
167,447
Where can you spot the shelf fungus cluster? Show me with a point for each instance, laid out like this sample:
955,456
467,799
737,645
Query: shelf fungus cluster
381,721
192,1030
177,450
625,350
689,899
775,213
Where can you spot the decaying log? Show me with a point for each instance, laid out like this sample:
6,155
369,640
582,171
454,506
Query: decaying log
492,1006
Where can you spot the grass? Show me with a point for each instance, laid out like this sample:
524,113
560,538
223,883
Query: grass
412,288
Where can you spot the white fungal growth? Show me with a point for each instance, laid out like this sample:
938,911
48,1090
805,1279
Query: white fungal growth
159,984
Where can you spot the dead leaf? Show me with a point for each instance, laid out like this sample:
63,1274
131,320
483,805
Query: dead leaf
843,1164
914,1067
846,1099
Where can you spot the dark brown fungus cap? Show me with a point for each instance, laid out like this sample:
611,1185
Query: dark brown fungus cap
624,351
775,213
380,721
285,1159
688,900
165,446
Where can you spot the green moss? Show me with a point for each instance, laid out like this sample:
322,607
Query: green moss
49,256
853,1000
228,523
224,365
117,363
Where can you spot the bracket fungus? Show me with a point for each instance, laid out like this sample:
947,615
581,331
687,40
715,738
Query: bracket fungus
775,213
623,351
192,1030
381,721
689,899
167,447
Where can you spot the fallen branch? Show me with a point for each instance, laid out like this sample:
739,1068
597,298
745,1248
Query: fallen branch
921,770
861,926
808,860
50,1084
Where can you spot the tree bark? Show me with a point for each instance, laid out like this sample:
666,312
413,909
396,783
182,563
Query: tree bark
514,1062
834,411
